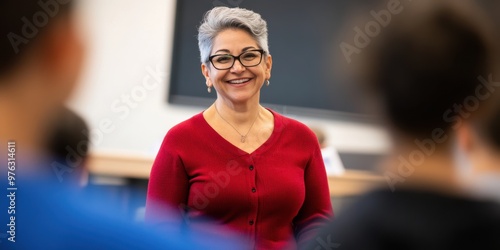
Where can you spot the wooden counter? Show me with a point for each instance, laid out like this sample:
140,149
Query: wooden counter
351,183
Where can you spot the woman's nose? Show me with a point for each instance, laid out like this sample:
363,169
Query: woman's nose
237,67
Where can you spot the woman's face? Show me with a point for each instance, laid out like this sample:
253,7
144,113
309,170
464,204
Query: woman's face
238,84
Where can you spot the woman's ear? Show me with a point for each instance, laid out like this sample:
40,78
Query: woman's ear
269,66
206,74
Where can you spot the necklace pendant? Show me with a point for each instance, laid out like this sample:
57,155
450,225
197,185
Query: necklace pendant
243,138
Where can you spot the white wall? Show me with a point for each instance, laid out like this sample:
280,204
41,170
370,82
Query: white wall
129,51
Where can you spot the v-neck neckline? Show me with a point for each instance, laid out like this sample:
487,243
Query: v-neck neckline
278,123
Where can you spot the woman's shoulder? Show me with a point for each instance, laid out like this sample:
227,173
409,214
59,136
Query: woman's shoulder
187,127
183,135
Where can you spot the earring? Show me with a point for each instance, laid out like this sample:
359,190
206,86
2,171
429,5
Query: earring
209,87
267,82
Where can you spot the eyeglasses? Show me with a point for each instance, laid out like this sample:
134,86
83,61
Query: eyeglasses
249,58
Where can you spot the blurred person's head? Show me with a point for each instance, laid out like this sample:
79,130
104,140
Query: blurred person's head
68,146
41,56
429,71
226,33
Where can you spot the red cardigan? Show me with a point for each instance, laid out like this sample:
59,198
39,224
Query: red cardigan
276,197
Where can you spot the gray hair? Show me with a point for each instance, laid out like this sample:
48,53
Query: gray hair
221,18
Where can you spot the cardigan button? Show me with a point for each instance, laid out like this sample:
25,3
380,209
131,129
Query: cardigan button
251,167
254,190
250,222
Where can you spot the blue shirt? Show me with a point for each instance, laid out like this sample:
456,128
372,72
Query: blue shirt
39,212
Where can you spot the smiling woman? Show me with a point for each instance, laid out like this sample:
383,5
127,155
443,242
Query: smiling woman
237,162
238,82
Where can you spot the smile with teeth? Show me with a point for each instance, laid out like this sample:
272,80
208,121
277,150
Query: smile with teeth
239,81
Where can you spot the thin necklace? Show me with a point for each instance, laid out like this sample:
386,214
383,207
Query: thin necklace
243,137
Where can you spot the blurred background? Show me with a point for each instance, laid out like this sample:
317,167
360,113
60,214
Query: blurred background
127,81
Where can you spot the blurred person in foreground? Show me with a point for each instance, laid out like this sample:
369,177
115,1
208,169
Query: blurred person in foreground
478,155
68,145
423,70
40,59
245,166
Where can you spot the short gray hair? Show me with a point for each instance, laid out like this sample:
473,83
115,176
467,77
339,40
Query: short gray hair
222,18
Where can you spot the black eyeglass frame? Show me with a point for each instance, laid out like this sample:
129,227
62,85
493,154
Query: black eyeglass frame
262,53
